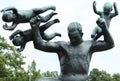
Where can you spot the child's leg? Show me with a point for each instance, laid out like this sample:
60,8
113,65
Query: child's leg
97,32
47,17
48,24
97,36
94,32
51,36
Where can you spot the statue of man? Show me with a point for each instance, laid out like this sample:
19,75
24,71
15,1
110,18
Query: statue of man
75,55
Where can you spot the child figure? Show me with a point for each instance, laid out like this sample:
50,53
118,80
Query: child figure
11,14
106,14
20,38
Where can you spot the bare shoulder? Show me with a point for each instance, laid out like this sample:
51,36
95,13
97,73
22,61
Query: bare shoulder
89,42
61,43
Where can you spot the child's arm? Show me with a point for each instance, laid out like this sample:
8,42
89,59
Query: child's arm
21,48
116,10
9,8
94,8
12,27
15,33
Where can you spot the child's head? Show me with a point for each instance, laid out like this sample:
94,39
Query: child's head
8,16
107,8
17,40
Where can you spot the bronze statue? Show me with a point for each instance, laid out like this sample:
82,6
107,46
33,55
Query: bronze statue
12,14
75,55
106,14
20,38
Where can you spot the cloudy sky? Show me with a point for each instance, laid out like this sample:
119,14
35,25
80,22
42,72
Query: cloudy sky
68,11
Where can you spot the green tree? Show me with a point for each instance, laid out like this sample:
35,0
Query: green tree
116,77
33,72
50,74
11,63
96,75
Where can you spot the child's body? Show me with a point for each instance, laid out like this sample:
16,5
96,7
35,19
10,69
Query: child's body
20,38
11,14
106,14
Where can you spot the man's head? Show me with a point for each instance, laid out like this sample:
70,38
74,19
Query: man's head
107,8
17,40
75,33
8,16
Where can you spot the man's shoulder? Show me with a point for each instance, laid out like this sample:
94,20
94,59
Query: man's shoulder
61,42
89,41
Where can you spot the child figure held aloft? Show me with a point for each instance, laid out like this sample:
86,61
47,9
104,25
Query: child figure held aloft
106,14
11,14
20,38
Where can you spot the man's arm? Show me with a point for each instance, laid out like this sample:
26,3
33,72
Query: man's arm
38,41
116,11
108,42
12,27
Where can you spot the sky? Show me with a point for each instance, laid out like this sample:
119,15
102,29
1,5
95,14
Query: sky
68,11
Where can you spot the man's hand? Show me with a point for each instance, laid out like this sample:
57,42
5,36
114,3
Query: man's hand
35,22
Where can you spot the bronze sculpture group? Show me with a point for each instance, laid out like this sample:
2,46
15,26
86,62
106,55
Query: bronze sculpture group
75,55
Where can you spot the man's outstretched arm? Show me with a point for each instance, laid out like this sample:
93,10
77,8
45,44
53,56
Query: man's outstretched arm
108,42
38,41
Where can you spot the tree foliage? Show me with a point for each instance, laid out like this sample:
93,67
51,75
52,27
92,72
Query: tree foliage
10,63
97,75
116,77
50,74
33,72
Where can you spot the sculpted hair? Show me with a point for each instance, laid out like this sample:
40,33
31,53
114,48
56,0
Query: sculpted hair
108,6
6,16
75,26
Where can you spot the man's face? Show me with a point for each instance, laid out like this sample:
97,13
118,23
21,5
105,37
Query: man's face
107,11
75,37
